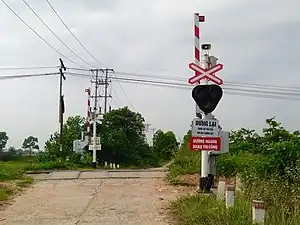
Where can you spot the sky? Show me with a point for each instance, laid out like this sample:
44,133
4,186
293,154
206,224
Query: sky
256,41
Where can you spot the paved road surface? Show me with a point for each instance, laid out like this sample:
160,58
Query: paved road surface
105,198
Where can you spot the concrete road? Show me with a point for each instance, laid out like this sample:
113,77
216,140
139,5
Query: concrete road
106,198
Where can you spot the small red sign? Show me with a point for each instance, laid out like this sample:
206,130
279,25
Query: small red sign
205,143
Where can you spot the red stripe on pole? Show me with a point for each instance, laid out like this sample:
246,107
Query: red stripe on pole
197,54
197,31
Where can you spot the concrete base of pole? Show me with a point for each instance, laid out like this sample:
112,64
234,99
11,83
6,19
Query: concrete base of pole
94,165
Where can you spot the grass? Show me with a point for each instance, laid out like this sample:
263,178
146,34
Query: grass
207,210
202,209
5,193
24,183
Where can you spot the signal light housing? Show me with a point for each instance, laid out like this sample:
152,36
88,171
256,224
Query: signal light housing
207,97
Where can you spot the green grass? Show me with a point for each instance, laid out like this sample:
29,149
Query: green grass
5,193
202,209
24,183
206,210
185,162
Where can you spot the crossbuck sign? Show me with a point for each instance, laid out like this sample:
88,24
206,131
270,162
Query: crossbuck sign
206,73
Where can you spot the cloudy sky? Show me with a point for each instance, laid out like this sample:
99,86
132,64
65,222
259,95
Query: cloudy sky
257,41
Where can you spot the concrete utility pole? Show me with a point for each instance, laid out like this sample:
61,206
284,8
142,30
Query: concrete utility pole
96,82
106,96
61,101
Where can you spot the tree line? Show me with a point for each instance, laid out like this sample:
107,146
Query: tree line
123,140
30,144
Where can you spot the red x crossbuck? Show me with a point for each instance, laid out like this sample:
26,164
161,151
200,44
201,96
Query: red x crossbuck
206,73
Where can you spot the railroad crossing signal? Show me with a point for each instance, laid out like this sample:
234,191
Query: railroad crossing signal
205,73
207,96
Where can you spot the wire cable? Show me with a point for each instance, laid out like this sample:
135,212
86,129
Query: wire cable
47,26
28,68
9,77
225,88
125,95
228,83
253,93
37,34
266,86
67,27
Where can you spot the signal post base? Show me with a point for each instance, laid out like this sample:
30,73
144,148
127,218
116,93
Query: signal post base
206,183
94,165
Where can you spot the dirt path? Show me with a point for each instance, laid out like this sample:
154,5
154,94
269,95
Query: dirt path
93,201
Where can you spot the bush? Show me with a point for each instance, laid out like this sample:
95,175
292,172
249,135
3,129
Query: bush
269,166
185,162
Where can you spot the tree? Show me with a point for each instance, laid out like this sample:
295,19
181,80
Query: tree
30,143
165,144
3,140
71,131
123,138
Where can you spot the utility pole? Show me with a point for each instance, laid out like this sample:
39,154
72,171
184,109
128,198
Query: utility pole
61,101
98,82
94,163
105,89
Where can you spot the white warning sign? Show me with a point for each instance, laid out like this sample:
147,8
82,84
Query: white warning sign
205,128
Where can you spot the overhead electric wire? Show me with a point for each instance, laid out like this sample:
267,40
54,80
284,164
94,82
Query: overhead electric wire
117,97
28,68
37,34
9,77
47,26
125,95
233,91
266,86
227,83
66,26
180,84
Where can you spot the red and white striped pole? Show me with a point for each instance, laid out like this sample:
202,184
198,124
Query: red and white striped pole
88,120
197,20
197,39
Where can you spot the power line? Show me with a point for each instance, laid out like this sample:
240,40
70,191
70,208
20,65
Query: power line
228,83
266,86
253,93
117,97
259,94
189,86
66,26
28,68
46,25
125,95
37,34
9,77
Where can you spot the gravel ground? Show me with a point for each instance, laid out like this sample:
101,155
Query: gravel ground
94,201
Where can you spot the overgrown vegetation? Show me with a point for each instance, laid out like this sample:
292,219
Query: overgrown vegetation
268,165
